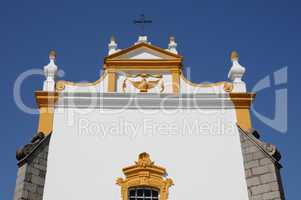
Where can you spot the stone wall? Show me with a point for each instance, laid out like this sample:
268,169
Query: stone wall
262,168
32,171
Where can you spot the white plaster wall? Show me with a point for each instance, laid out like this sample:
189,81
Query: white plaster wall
188,88
99,87
89,148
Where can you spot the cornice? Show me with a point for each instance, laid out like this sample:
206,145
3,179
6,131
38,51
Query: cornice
153,101
46,99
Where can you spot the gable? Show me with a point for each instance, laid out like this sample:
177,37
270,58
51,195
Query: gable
143,51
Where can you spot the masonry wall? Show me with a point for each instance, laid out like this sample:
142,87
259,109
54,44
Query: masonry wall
31,173
261,168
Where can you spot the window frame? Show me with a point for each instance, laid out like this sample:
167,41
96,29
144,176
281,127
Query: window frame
143,196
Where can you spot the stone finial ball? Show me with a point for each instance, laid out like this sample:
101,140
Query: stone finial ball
234,55
52,54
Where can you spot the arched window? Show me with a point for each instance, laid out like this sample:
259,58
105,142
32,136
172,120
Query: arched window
143,193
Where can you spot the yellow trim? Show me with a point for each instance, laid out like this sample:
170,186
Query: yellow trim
143,68
46,101
242,103
146,174
201,84
228,87
147,61
175,81
60,85
46,120
244,118
143,64
112,80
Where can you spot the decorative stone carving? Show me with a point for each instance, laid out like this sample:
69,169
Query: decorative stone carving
268,148
144,173
28,148
228,87
144,84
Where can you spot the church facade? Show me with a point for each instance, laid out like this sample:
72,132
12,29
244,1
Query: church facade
142,131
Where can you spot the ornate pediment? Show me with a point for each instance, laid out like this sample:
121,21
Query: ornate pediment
143,58
143,51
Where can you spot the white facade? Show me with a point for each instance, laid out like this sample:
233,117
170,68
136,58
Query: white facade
193,134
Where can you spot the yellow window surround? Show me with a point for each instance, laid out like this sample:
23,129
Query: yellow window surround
145,174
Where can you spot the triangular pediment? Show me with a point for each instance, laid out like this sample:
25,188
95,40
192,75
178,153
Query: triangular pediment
143,51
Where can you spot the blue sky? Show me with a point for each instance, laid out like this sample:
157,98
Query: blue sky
265,33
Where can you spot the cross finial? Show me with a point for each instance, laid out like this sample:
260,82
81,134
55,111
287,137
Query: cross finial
142,21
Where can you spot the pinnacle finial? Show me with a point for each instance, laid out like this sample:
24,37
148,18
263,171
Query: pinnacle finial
113,46
172,45
236,74
142,39
172,38
234,55
144,155
113,39
52,55
144,160
50,73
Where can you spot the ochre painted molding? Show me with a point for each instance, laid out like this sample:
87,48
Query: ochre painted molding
228,87
242,103
143,64
46,101
175,81
142,69
145,174
111,80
